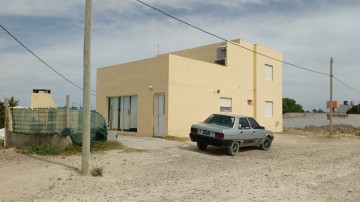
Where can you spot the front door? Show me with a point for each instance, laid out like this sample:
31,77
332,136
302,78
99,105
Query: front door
160,115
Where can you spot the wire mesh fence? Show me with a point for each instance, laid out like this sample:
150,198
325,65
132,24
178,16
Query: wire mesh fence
52,121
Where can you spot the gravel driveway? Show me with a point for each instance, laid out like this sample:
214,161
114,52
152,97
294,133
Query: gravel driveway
296,168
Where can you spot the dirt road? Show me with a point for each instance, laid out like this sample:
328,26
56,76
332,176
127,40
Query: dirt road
296,168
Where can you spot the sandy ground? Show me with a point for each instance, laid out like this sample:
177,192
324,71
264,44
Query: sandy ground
296,168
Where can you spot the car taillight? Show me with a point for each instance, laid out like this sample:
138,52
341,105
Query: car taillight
219,135
194,130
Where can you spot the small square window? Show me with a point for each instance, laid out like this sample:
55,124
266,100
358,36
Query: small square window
225,104
268,109
249,102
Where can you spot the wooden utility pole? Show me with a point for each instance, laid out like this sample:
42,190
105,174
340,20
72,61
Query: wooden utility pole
6,124
331,94
86,91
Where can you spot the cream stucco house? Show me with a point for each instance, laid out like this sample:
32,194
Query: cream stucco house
164,95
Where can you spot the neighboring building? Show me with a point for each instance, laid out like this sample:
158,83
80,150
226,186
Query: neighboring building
339,108
345,107
164,95
41,98
335,105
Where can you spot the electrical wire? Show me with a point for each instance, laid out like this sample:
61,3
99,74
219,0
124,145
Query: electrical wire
343,83
222,38
236,44
42,60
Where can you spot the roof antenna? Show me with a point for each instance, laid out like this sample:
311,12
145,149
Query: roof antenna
158,49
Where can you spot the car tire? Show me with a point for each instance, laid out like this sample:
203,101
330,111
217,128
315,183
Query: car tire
266,144
233,149
202,146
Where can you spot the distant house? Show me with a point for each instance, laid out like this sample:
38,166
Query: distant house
340,108
164,95
41,98
344,107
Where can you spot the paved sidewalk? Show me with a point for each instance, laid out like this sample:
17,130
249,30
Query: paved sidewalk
148,143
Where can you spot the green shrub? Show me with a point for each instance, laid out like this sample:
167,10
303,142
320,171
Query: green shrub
97,171
44,149
47,149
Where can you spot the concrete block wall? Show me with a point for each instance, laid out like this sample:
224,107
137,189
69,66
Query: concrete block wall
301,120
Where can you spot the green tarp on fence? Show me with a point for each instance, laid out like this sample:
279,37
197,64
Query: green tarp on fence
52,121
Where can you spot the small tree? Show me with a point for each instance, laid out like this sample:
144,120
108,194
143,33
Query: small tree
12,103
318,110
353,110
289,105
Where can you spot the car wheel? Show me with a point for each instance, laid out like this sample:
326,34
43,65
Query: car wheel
233,149
266,144
202,146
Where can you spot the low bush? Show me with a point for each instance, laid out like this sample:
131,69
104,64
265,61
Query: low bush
97,171
43,149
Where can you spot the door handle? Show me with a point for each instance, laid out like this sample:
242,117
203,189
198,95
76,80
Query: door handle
253,132
242,132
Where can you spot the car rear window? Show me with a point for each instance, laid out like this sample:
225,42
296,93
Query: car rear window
221,120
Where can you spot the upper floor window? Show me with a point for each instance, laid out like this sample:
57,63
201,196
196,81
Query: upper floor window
268,72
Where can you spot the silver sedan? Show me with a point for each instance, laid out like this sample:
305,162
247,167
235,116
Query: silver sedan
230,132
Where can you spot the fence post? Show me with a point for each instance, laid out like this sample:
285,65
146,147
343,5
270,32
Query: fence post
67,112
7,132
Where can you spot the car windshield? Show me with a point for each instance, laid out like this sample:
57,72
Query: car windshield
221,120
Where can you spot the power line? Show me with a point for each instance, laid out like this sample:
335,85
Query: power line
236,44
42,60
346,84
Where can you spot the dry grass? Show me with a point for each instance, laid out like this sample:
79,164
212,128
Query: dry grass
338,131
46,149
175,138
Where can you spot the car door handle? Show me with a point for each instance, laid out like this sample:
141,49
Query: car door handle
253,132
242,132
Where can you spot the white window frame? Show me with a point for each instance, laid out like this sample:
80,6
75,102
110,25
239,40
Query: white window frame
269,72
225,104
269,109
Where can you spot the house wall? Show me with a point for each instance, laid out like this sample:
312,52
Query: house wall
268,90
134,79
204,53
193,86
190,80
193,96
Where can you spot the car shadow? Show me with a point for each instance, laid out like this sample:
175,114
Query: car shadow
216,151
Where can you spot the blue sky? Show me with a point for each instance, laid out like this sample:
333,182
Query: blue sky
307,32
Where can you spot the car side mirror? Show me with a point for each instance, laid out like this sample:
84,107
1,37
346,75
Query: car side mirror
262,127
240,126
